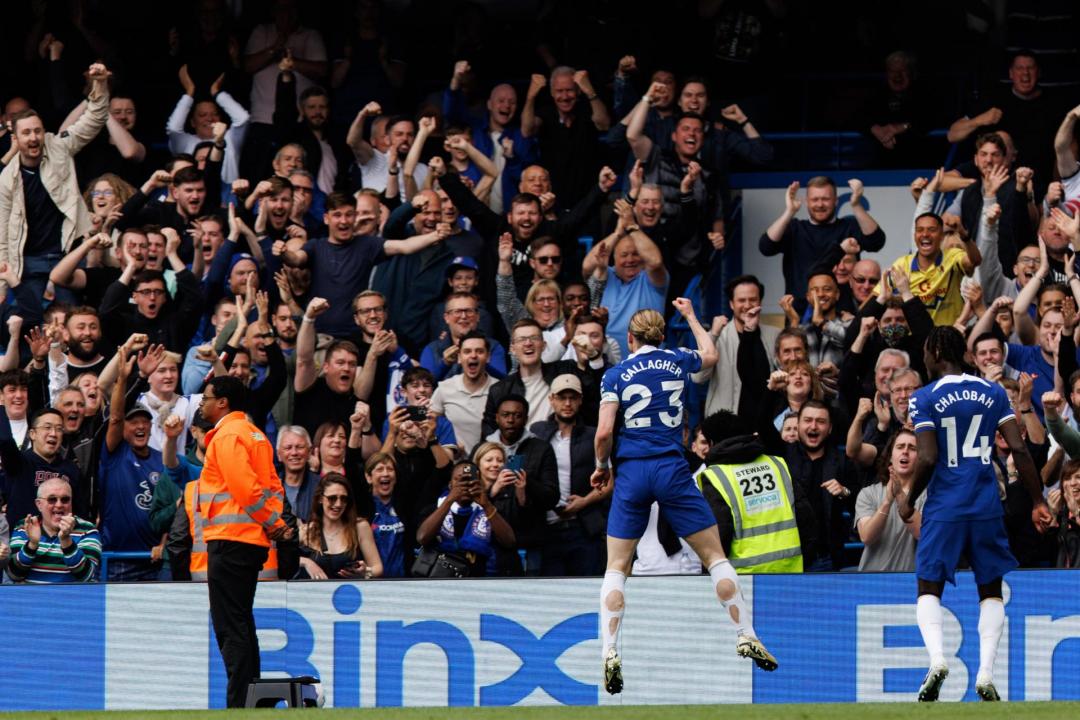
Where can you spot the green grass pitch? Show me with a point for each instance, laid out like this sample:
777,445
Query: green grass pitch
886,711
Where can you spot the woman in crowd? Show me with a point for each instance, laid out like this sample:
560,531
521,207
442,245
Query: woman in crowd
506,489
329,451
336,543
1065,504
465,527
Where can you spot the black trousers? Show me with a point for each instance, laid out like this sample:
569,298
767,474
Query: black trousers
232,573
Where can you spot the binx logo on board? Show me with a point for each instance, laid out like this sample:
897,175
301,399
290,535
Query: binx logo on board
534,666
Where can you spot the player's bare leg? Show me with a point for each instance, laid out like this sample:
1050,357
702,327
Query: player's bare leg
991,624
620,554
930,618
706,543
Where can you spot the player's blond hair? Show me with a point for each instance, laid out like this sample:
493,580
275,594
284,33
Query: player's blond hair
647,326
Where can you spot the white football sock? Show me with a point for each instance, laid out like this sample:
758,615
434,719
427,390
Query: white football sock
611,594
929,616
736,605
991,623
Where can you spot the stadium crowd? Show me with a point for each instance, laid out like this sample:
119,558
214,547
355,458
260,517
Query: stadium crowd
404,285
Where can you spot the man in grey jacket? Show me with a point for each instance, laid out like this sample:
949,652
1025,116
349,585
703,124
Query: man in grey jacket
746,352
41,209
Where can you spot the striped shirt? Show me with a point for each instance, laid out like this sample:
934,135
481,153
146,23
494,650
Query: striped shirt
51,563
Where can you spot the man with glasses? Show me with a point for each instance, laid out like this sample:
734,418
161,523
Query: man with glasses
532,380
463,275
306,208
441,355
26,470
864,278
382,360
171,323
545,258
58,546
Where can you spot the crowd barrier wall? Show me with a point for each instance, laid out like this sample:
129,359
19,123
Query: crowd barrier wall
839,638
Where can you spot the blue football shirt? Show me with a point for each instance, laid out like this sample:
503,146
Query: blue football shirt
965,413
648,386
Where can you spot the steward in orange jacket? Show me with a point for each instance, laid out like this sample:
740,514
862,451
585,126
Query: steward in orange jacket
244,498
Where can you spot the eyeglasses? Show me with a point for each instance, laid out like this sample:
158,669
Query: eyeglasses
54,499
1027,261
528,340
101,193
48,428
336,499
371,311
150,292
462,312
548,259
865,280
206,397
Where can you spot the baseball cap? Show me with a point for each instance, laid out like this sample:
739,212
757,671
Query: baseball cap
462,261
566,382
138,410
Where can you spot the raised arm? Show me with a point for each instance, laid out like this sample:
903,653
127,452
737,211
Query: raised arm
866,223
416,243
425,127
705,346
305,345
361,148
863,454
601,120
1063,140
595,264
114,435
90,122
125,142
530,123
965,126
792,203
640,143
1025,327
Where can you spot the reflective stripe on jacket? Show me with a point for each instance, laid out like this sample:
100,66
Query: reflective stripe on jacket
241,497
199,558
760,495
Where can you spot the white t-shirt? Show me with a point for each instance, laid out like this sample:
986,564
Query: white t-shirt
561,447
653,560
536,392
18,430
305,43
495,199
327,169
375,173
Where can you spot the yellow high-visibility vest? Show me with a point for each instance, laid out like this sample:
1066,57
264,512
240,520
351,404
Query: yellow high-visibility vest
761,499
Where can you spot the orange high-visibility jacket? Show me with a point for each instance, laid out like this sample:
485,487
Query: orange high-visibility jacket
196,522
244,496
